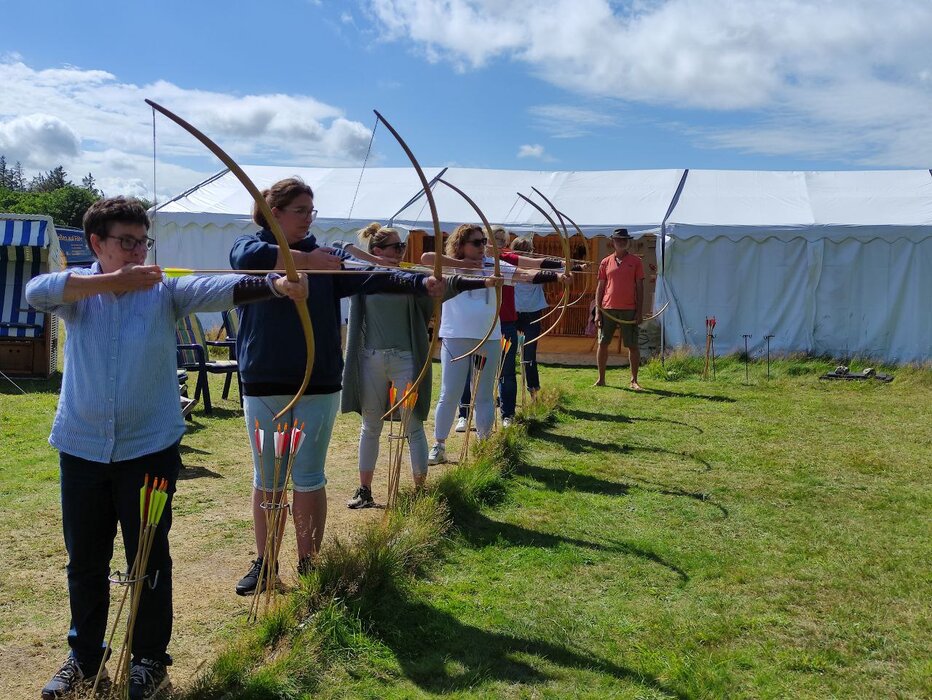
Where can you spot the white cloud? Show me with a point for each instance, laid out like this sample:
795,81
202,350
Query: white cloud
570,121
806,69
38,141
534,150
88,120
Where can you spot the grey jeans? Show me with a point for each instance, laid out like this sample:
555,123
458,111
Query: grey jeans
378,369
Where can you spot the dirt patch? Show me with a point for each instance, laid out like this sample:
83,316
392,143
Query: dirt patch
212,545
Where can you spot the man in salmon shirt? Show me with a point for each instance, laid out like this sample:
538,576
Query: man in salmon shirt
620,292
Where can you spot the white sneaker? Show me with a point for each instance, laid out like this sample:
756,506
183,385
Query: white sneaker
506,422
437,455
461,425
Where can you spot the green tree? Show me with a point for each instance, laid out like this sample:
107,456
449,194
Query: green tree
66,205
54,179
16,178
89,184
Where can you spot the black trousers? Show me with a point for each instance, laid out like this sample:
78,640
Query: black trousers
95,497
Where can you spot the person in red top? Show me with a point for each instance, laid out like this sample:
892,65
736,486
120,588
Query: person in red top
619,297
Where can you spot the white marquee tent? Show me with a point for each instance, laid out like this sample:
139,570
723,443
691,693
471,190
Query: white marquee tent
833,263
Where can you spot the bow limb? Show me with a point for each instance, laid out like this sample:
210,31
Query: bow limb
588,277
564,241
497,269
438,263
290,268
631,323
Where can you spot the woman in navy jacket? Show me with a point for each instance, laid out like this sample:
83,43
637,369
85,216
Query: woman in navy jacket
272,358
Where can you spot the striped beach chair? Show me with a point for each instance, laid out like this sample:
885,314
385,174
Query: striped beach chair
28,338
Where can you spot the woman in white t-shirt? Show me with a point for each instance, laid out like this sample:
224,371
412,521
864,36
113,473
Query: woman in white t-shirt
464,322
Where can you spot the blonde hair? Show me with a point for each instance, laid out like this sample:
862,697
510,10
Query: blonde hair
505,235
522,245
280,195
375,235
457,239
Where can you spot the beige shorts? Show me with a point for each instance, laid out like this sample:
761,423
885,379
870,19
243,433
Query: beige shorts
629,331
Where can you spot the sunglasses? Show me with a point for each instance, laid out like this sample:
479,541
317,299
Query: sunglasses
130,243
479,242
400,247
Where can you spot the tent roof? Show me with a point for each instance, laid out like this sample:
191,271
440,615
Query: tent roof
711,203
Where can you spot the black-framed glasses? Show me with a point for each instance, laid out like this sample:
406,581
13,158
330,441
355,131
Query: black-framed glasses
400,246
303,212
131,243
479,242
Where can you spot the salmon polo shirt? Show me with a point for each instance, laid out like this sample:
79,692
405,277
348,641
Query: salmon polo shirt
620,276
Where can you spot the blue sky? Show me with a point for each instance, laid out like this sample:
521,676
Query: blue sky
561,85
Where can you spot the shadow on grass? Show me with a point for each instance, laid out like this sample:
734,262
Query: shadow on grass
197,422
560,481
188,472
11,384
621,418
440,654
667,394
478,530
673,491
577,444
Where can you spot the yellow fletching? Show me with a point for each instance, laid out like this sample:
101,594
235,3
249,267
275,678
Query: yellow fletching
176,271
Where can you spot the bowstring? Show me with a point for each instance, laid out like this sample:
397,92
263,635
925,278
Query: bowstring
362,171
155,191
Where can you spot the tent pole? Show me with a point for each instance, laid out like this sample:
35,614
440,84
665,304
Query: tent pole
663,259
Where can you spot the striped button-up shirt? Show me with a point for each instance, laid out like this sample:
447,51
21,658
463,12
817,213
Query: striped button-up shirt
119,396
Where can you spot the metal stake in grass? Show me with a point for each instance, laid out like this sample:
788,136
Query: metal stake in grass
712,336
747,379
767,338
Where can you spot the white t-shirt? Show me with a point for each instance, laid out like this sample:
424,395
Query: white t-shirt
469,314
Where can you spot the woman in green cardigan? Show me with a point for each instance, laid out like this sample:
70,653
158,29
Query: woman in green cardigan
386,343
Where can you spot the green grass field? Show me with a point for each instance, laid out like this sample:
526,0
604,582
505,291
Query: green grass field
698,540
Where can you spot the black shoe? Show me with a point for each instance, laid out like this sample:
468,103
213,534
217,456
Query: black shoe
71,679
147,679
247,584
305,566
361,499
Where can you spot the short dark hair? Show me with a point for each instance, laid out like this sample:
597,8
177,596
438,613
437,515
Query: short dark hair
102,214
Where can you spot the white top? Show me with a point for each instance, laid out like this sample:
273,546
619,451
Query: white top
469,314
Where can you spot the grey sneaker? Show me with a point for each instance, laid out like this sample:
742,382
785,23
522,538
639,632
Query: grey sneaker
507,422
437,455
71,679
361,499
147,679
461,425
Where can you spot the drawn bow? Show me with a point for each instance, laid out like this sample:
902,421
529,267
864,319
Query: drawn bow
438,264
290,269
564,241
497,268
